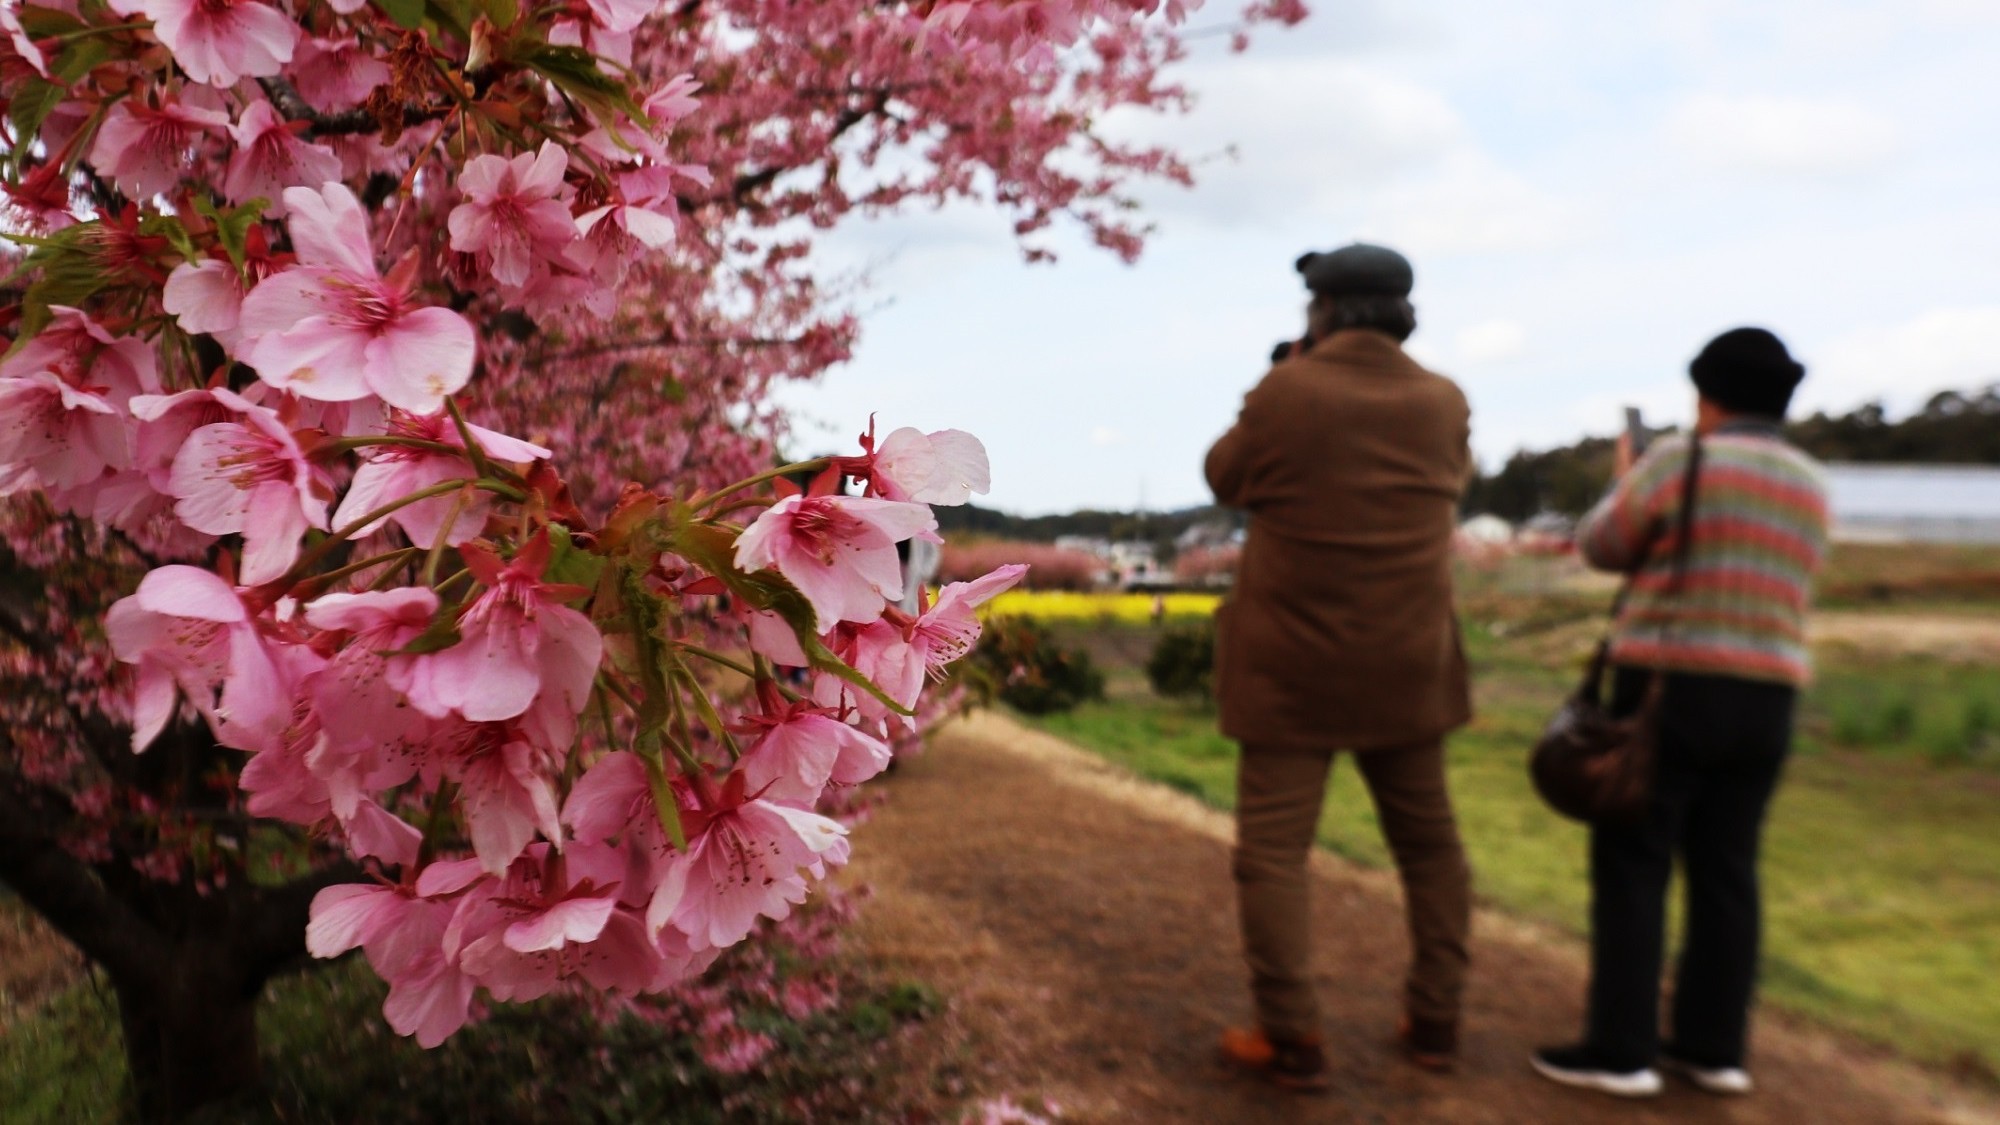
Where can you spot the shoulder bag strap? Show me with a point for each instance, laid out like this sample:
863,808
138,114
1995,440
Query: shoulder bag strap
1600,661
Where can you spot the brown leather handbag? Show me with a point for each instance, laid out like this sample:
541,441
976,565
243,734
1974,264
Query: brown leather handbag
1588,765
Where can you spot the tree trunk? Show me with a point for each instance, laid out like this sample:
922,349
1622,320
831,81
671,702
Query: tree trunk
190,1036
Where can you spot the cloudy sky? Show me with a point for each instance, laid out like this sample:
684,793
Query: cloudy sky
1589,191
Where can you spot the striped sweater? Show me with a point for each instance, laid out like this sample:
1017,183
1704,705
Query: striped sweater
1759,536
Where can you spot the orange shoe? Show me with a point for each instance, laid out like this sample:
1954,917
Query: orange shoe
1430,1044
1295,1064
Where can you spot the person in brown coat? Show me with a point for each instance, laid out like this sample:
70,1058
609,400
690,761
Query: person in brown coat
1340,635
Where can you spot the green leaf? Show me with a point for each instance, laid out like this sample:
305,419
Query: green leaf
575,72
81,57
407,13
455,14
43,23
441,634
570,564
32,103
171,229
66,273
643,612
664,805
232,227
503,13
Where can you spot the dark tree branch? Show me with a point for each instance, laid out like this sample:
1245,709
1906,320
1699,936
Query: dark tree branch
668,340
751,183
66,891
273,937
347,122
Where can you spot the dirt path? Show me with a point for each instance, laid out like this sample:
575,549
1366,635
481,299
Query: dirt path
1082,922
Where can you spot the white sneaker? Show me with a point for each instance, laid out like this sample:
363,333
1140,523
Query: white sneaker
1572,1067
1729,1081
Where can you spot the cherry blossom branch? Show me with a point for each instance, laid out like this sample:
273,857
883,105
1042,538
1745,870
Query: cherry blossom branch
668,340
717,658
813,466
347,122
342,534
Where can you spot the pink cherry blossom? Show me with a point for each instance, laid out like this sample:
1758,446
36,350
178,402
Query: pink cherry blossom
362,694
206,297
164,423
945,467
65,435
403,936
221,41
335,330
610,797
645,217
250,477
186,629
801,749
613,800
773,639
521,652
513,216
145,150
17,37
548,917
507,788
622,15
646,140
270,157
333,74
64,397
897,652
950,628
744,860
840,551
394,471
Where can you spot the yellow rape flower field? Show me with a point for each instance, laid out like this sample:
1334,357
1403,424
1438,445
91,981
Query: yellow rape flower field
1107,606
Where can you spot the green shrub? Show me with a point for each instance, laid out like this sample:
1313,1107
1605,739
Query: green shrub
1183,662
1037,675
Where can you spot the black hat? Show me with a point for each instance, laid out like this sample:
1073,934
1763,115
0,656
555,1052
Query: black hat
1359,270
1747,370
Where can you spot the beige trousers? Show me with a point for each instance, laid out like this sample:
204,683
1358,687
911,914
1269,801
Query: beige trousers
1278,798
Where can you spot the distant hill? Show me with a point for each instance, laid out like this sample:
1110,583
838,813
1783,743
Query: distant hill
1952,428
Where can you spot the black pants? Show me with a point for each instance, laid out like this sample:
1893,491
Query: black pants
1723,743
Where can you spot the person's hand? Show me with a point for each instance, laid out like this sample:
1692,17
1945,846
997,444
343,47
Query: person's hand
1623,460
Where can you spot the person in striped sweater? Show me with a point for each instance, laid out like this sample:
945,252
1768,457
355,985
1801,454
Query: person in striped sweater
1730,636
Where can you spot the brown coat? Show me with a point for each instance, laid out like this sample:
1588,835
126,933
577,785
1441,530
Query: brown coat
1340,630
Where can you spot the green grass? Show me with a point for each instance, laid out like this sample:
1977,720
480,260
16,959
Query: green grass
329,1057
1881,861
1946,711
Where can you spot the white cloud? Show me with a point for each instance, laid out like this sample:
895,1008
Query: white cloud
1295,138
1907,362
1784,135
1104,436
1492,341
1473,206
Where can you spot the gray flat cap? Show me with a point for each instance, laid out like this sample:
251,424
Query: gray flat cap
1359,270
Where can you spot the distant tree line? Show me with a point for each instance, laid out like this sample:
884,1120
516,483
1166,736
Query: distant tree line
1952,428
1158,528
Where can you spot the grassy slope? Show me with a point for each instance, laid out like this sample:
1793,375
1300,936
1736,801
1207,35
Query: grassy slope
1882,869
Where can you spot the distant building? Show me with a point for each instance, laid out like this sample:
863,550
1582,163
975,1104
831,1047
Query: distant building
1487,528
1129,565
1914,503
